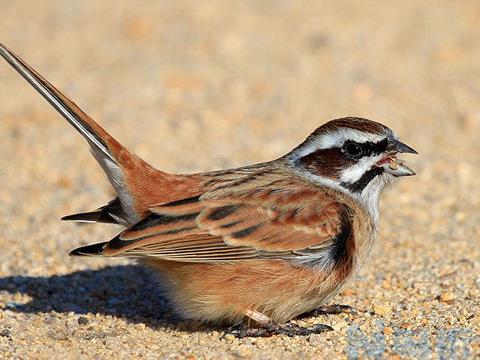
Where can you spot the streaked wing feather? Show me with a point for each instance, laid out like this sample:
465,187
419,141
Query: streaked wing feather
276,219
179,207
155,225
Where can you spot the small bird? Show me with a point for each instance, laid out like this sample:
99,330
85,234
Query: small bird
263,243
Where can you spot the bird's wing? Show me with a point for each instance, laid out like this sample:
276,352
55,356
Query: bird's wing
271,217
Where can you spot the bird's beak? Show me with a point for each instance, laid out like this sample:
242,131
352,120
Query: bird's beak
397,146
394,166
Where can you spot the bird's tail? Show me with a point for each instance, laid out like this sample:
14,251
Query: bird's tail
89,250
121,166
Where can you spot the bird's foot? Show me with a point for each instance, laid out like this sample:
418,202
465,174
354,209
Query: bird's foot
241,331
327,310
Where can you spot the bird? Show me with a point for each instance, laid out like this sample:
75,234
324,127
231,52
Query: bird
251,247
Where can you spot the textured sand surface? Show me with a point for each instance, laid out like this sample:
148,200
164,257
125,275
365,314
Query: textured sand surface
193,86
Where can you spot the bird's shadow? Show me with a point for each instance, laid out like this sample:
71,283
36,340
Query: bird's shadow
129,292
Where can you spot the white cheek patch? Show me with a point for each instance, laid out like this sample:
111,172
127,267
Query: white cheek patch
355,172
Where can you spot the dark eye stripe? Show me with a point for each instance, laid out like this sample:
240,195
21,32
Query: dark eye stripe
331,162
371,148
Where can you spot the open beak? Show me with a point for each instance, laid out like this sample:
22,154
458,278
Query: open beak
394,166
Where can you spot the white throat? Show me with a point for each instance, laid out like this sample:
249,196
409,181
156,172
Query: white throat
370,196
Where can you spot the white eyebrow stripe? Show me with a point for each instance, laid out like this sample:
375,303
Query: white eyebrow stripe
336,139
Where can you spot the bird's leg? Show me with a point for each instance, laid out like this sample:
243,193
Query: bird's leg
244,330
269,328
327,310
258,317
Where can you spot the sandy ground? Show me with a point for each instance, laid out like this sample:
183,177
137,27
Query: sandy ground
192,86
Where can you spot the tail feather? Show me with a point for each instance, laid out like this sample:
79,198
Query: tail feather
97,216
112,213
119,164
137,184
89,250
98,138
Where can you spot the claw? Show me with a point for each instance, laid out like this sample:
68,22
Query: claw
290,330
328,310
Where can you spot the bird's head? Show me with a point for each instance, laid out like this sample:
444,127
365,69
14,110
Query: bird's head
355,155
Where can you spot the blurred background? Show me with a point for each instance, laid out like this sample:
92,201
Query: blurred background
194,86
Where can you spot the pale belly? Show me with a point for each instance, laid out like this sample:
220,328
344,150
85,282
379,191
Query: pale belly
223,293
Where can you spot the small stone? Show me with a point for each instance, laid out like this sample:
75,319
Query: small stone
229,337
447,297
12,305
82,320
140,326
6,333
447,274
381,309
57,335
388,330
244,352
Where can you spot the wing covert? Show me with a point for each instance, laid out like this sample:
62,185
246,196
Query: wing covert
275,220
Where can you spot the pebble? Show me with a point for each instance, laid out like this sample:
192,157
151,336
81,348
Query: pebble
447,297
244,351
229,337
388,330
382,309
82,320
6,333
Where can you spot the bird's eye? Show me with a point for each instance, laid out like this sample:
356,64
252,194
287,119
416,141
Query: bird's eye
352,149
